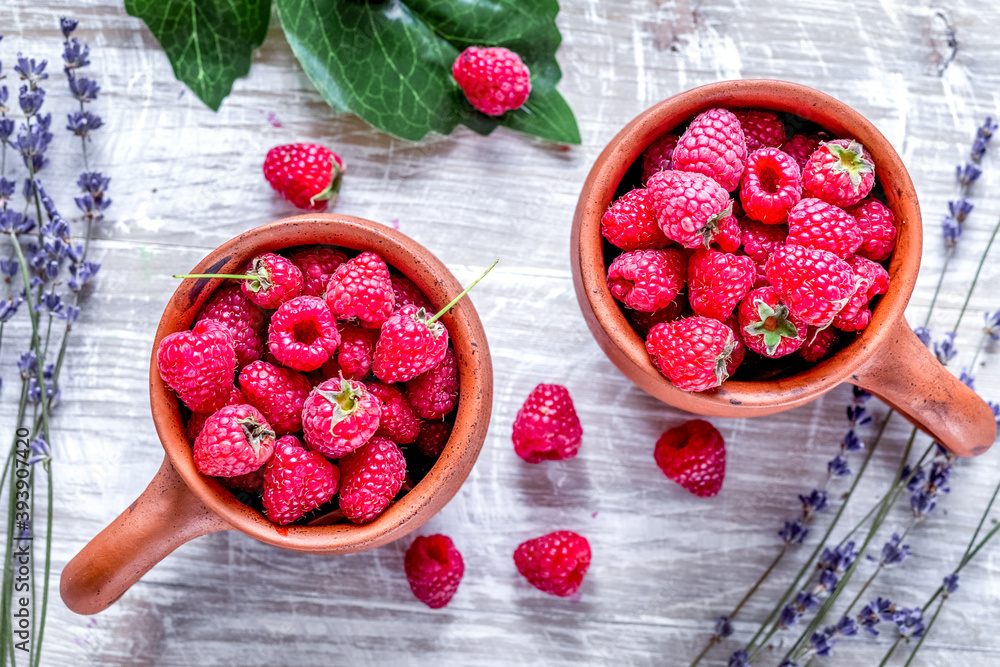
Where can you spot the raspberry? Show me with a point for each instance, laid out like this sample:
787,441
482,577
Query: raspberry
275,280
690,208
236,440
433,437
739,347
199,365
873,280
630,224
877,225
405,293
767,326
800,147
693,455
317,265
197,419
818,343
397,420
643,322
371,477
361,288
409,345
296,481
840,172
658,156
354,356
815,224
245,320
546,427
554,563
718,281
762,129
494,79
308,175
303,333
339,416
695,353
647,280
252,482
277,392
434,569
771,185
760,241
713,145
434,394
814,284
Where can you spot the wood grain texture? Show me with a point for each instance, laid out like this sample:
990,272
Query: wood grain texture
665,564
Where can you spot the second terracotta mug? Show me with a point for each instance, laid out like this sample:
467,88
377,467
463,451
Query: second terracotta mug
887,358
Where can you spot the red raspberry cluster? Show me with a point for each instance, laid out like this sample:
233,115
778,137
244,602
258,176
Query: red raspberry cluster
307,380
747,244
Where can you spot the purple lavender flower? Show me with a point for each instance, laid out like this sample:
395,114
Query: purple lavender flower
892,553
30,71
82,123
81,273
951,231
788,617
960,209
852,443
9,306
739,659
75,57
860,395
6,125
838,467
992,327
847,627
92,208
820,644
967,379
93,183
49,301
968,174
794,532
12,222
839,558
83,89
910,622
924,334
723,627
40,451
31,100
995,407
817,501
69,25
983,136
950,584
944,349
806,601
858,415
10,267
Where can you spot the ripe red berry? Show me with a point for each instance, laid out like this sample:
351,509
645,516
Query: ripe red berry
630,223
815,224
695,353
762,129
296,481
433,437
275,280
433,394
800,147
546,427
197,419
760,241
877,225
713,145
353,357
767,326
252,482
658,157
690,208
371,477
693,455
873,280
317,265
405,293
494,79
647,280
361,288
771,185
818,343
840,172
339,416
308,175
277,392
235,440
199,365
303,333
554,563
409,345
814,284
434,569
245,320
397,420
718,281
643,322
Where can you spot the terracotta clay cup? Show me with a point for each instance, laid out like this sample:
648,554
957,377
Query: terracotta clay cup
181,504
886,359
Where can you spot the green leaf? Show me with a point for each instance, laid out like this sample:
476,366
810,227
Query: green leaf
390,62
209,42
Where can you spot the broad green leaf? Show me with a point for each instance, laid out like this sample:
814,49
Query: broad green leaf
209,42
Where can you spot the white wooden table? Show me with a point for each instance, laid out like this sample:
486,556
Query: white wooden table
665,563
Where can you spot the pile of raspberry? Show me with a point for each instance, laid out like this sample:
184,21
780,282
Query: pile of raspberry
748,244
319,389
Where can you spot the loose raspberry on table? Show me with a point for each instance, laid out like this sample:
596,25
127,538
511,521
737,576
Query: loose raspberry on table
339,416
771,185
434,569
658,157
814,284
840,172
279,393
371,476
690,208
235,440
877,225
554,563
647,280
718,281
818,343
303,333
547,427
801,146
397,420
361,288
245,320
317,265
405,293
275,280
308,175
694,353
197,419
408,345
873,280
353,357
434,394
199,365
494,79
630,223
813,223
693,455
433,437
713,145
296,481
761,129
767,326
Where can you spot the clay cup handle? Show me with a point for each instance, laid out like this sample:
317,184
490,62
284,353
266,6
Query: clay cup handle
905,374
165,516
